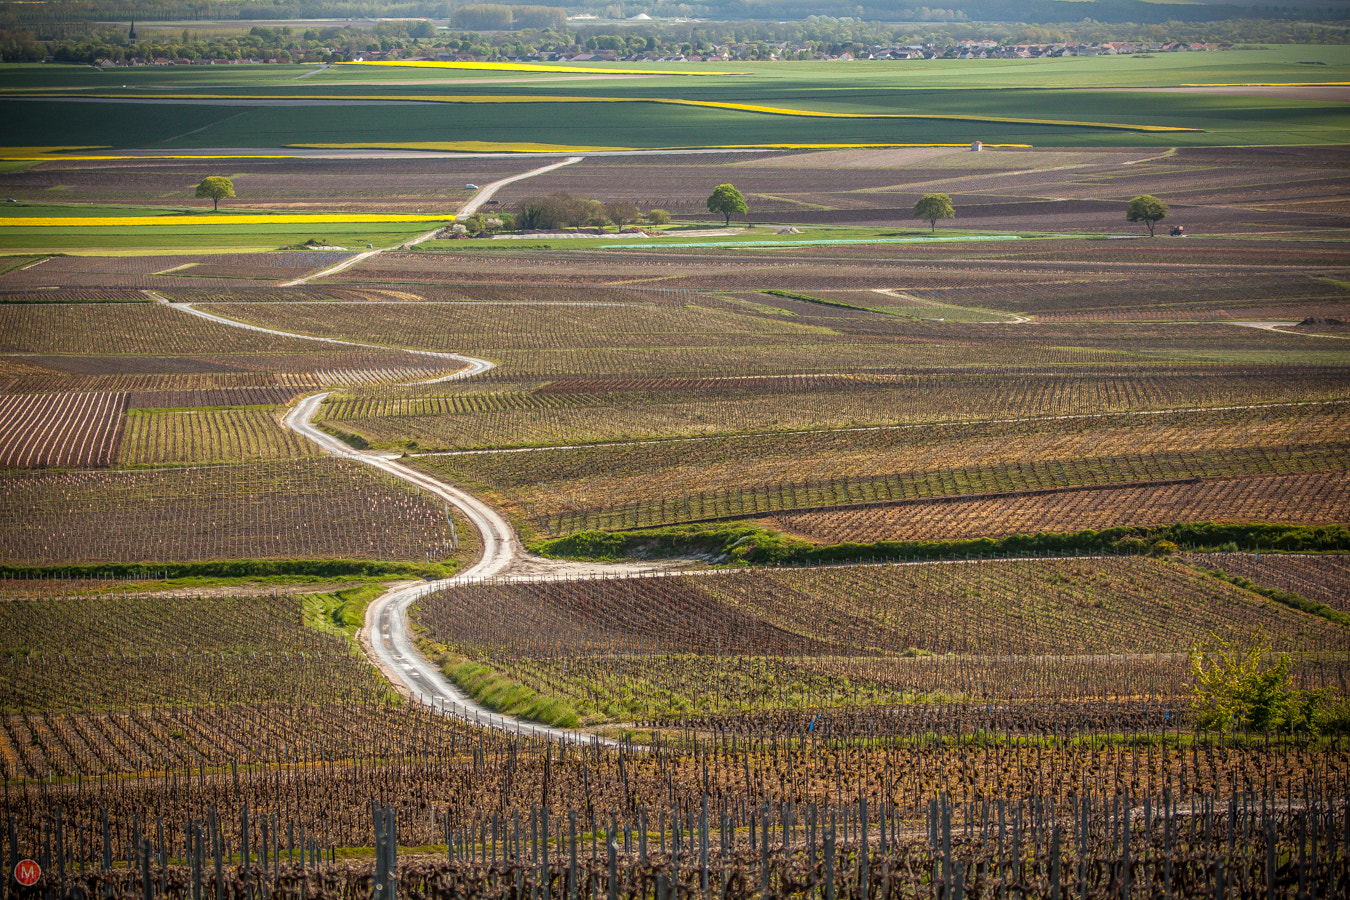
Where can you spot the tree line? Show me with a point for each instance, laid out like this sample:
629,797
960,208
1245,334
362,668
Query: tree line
766,11
562,210
30,32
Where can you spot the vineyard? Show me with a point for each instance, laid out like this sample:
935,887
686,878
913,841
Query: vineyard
41,430
655,648
1095,846
218,786
586,410
566,490
305,508
1324,579
188,702
127,329
248,434
1314,499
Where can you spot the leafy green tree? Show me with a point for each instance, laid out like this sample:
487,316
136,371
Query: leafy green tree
658,217
592,214
1147,209
476,224
1235,684
215,188
726,200
622,212
932,207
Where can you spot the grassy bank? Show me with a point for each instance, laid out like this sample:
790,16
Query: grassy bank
746,544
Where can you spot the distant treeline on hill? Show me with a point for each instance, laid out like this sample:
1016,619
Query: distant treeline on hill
819,36
20,12
501,17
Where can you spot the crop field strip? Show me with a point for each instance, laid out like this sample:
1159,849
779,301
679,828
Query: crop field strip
561,490
467,327
1311,499
708,340
749,640
1059,476
127,329
281,509
60,430
492,412
83,695
156,389
43,426
267,180
355,366
236,435
97,652
1053,298
1323,579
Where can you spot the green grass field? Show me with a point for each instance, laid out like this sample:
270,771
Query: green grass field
1050,102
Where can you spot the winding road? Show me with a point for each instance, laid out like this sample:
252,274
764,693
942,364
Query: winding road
484,194
386,635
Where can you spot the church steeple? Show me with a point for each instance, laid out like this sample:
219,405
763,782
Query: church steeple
131,35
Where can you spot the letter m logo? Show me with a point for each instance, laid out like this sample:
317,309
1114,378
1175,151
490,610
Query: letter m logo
27,872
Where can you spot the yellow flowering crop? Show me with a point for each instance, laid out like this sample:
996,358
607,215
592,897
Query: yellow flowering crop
240,219
524,67
1272,84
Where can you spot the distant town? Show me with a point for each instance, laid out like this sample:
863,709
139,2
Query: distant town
781,51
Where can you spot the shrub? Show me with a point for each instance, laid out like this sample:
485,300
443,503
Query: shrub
1235,685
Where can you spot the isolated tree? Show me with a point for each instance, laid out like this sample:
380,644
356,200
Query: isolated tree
215,188
622,212
1147,209
932,207
658,217
1236,684
727,200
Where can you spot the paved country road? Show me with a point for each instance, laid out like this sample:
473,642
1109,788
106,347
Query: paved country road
484,194
386,636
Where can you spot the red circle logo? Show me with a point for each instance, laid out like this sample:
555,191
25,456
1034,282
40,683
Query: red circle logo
27,872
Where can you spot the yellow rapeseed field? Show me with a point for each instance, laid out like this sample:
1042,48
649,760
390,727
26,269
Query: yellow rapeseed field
1270,84
209,219
525,67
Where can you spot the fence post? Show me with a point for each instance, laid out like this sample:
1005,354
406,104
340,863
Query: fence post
829,858
703,844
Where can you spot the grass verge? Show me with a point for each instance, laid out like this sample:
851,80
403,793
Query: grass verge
510,698
750,544
340,612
